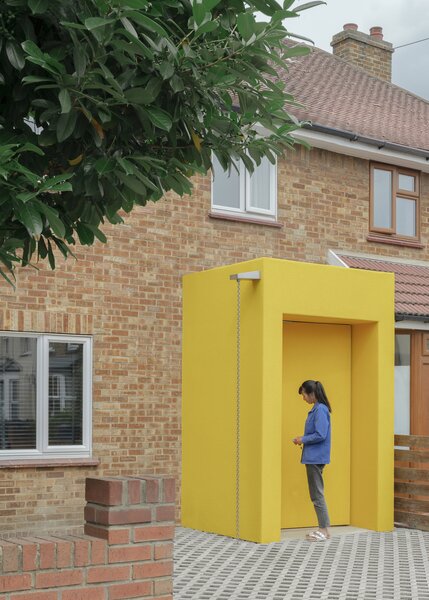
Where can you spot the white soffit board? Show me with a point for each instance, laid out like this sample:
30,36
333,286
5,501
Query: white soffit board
414,325
361,150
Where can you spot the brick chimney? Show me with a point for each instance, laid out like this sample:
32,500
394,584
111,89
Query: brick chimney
367,51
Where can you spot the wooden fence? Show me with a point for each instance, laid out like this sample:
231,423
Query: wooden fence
412,481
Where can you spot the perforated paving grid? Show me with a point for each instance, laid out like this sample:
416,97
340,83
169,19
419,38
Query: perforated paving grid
358,566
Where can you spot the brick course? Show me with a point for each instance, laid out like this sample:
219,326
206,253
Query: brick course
86,567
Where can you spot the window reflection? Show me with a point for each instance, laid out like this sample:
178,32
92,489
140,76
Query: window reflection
65,393
18,393
402,383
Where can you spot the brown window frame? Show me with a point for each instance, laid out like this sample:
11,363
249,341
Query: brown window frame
390,233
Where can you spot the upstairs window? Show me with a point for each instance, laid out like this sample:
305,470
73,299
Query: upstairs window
45,396
236,191
395,202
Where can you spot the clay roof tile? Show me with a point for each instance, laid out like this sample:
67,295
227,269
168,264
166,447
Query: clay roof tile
337,94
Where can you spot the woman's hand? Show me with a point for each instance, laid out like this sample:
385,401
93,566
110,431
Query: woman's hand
297,441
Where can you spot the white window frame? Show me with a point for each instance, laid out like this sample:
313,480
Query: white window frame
246,208
43,449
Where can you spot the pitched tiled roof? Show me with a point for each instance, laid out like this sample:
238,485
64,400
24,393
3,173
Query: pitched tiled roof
411,283
342,96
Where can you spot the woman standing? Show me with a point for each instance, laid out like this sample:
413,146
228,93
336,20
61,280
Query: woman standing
316,452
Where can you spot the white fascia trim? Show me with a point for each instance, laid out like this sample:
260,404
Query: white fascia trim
415,325
335,260
361,150
393,259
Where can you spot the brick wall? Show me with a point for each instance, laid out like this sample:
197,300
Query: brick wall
126,554
127,295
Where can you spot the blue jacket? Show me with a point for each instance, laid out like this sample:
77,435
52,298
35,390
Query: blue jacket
317,436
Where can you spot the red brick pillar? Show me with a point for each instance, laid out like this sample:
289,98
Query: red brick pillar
135,515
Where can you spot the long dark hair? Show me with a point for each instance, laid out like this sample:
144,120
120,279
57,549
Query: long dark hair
316,388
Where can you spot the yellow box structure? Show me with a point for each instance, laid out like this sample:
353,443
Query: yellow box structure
247,346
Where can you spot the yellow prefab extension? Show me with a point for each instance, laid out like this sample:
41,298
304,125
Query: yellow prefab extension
248,344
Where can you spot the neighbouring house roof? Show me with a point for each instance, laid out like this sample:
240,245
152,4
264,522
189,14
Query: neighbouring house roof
411,283
340,95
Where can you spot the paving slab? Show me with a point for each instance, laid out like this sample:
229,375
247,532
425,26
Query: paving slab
354,565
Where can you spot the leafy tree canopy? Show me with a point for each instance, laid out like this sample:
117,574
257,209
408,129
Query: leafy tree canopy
108,104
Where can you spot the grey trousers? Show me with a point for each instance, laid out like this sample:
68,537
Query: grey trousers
316,489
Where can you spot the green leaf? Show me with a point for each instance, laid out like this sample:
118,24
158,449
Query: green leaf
267,7
127,199
283,14
65,101
38,7
79,60
30,217
126,165
144,95
51,182
308,5
147,182
129,27
201,10
12,244
15,55
35,79
62,187
85,234
32,49
104,165
159,118
166,69
299,37
210,4
132,183
63,248
94,22
177,84
29,147
135,4
148,23
69,25
51,256
97,232
3,274
206,28
171,182
26,196
65,125
246,25
296,51
45,60
51,215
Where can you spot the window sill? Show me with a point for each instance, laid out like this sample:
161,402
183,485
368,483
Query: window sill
26,463
243,219
379,239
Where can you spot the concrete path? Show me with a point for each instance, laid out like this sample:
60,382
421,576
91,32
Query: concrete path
352,565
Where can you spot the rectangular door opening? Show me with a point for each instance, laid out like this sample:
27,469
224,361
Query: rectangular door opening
321,352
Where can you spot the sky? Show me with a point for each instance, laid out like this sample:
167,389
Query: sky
403,21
